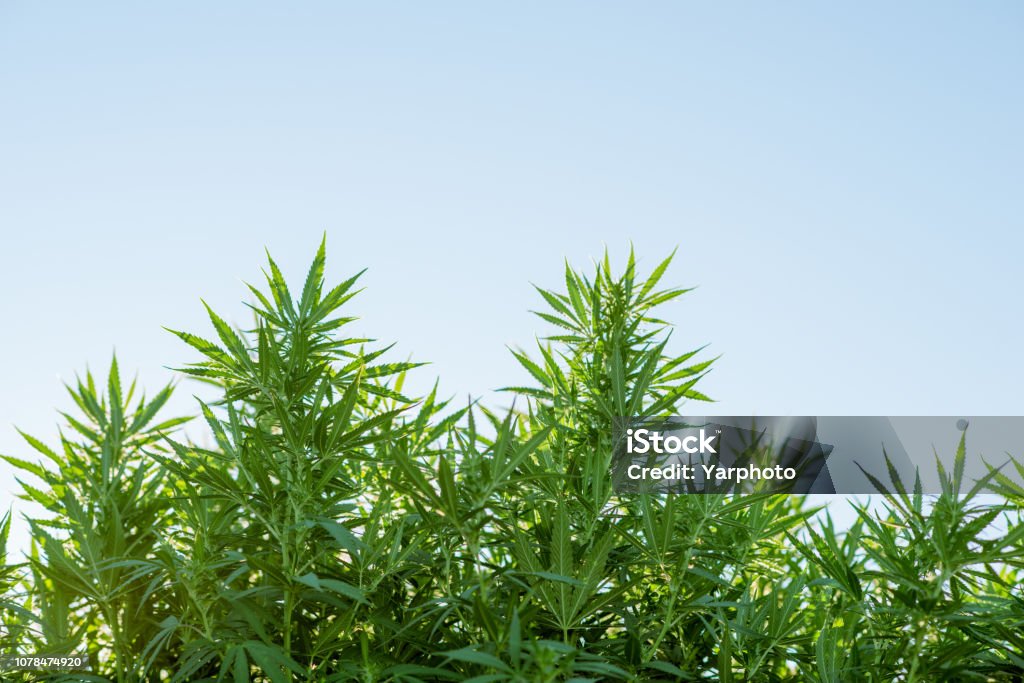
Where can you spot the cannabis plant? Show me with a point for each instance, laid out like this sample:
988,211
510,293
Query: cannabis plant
108,506
324,525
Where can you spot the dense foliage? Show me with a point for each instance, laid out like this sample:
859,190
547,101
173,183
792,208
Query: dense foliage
333,529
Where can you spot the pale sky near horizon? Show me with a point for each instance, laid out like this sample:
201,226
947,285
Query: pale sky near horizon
843,183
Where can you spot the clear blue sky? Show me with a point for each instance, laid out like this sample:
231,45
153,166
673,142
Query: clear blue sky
844,183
